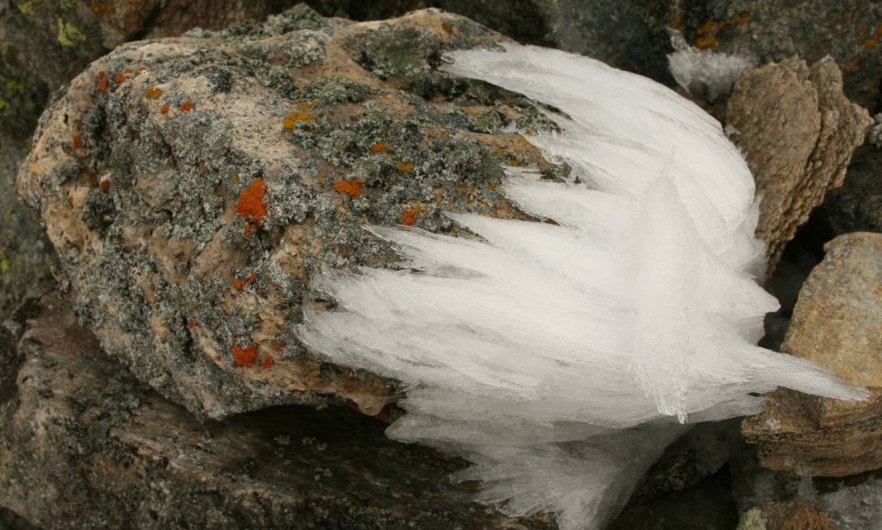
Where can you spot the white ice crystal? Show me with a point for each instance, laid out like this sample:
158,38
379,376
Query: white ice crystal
562,358
707,70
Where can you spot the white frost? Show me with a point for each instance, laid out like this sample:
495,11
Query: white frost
705,70
562,359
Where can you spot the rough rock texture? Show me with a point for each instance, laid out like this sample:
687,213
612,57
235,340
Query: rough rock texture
85,445
192,186
798,132
628,35
854,503
796,514
837,323
45,44
857,205
847,30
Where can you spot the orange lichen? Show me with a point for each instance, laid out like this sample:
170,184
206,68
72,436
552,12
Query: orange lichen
351,187
874,38
708,32
104,185
407,167
238,284
101,81
244,355
251,278
191,324
186,105
293,118
77,141
251,203
409,216
153,92
164,108
119,77
279,345
250,227
379,147
705,42
267,362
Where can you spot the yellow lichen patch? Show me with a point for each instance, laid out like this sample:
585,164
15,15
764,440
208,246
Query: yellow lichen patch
153,92
406,167
68,34
26,8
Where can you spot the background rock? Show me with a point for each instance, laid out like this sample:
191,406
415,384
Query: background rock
798,133
837,323
84,445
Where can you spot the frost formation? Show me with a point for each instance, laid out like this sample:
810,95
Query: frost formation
562,358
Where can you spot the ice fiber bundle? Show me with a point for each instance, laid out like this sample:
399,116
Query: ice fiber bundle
561,358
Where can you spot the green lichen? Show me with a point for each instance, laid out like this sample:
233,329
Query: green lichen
26,8
68,34
4,264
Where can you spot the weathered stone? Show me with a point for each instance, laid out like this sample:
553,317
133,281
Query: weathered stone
192,186
837,322
796,514
85,445
847,30
798,132
857,205
854,504
45,44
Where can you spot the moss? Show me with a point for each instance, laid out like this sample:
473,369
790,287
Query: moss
5,266
68,34
26,8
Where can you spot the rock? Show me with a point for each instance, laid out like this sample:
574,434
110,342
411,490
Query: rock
796,514
627,35
855,506
798,132
45,44
857,205
192,186
837,322
85,445
847,30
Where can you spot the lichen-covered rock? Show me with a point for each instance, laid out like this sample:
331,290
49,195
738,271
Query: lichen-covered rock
85,445
854,503
798,132
795,514
192,186
836,323
849,31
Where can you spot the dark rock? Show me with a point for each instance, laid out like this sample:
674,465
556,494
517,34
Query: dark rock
85,445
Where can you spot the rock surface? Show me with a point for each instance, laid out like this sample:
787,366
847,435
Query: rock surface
796,514
857,205
854,504
837,322
798,133
847,30
85,445
192,186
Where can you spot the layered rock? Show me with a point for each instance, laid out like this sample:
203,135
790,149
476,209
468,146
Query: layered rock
85,445
798,132
192,187
837,322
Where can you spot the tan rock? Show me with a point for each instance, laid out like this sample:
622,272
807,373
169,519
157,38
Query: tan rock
798,132
837,322
795,514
